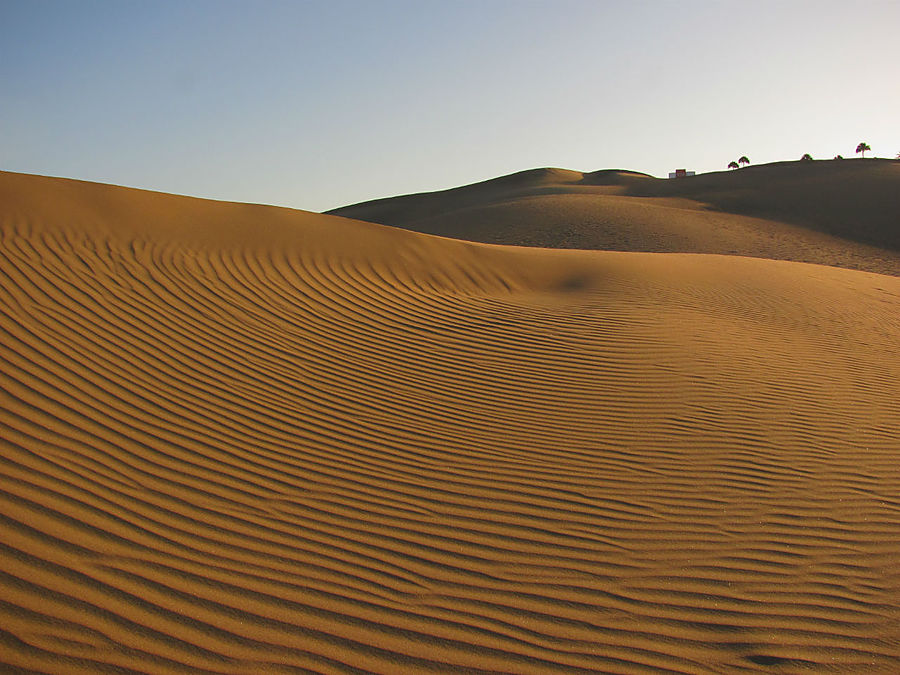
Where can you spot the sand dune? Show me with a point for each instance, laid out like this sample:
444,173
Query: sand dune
241,439
840,213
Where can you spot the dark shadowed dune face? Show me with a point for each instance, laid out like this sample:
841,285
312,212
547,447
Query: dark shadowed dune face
857,200
840,213
615,177
240,439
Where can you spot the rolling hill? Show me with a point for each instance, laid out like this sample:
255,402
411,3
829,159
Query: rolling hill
244,439
841,213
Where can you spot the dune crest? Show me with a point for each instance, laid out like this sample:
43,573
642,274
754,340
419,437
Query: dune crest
839,213
239,439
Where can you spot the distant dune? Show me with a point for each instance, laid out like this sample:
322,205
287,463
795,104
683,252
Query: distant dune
243,439
842,213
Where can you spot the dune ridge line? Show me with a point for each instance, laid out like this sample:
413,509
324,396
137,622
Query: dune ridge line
238,438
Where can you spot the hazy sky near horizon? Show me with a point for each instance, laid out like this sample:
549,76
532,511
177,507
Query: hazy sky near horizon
319,104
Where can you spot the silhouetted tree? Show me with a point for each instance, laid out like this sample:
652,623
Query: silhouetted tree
743,160
839,157
733,165
806,157
861,148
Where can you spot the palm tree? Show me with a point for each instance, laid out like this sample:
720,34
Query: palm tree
861,148
743,160
806,157
733,165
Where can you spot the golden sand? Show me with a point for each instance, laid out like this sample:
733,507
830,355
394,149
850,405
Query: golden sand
838,213
242,439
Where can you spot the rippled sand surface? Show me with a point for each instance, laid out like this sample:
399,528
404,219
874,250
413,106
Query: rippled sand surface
241,439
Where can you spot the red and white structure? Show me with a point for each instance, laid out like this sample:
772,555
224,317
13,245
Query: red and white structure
681,173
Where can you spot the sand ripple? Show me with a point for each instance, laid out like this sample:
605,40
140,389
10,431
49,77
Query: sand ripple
265,441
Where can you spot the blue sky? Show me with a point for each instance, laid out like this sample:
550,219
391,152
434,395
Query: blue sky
314,105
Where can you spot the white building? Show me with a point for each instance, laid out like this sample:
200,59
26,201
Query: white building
681,173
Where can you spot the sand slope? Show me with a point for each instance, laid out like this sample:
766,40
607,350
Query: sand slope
841,213
244,439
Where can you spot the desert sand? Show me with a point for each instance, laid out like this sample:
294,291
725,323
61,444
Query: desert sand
245,439
839,213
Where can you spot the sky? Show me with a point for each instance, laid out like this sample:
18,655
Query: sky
318,104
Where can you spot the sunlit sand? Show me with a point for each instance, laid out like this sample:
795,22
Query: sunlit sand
244,439
839,213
